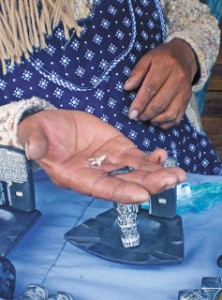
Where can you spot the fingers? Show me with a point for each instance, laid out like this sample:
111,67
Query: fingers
94,182
158,156
119,190
153,163
151,180
126,188
168,118
150,83
136,186
168,106
173,113
164,87
133,187
175,110
138,73
132,157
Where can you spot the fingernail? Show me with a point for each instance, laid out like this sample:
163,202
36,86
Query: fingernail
182,177
142,197
134,114
27,150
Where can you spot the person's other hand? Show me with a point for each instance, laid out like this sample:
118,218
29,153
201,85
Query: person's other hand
62,142
164,77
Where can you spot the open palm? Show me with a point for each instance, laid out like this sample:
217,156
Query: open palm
62,142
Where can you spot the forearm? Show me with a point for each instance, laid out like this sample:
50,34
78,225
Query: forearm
12,113
192,21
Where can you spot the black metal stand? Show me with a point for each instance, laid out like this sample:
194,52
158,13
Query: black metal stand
13,225
161,239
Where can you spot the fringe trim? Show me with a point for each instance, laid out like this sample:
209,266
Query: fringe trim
25,23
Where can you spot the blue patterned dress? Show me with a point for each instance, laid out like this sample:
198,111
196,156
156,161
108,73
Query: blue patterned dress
88,74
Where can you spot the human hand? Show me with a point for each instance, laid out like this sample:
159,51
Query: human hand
62,142
164,77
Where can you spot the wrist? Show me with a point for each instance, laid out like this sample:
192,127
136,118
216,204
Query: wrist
11,115
188,56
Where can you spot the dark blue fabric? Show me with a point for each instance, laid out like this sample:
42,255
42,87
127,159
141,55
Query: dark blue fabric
88,74
7,279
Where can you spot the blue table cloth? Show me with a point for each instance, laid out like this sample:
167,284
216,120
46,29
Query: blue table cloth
44,257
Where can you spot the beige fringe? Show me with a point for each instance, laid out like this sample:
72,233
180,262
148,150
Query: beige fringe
23,26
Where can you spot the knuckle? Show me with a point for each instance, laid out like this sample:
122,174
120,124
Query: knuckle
170,116
144,117
181,75
157,107
150,90
172,63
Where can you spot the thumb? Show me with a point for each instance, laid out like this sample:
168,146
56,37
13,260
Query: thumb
33,139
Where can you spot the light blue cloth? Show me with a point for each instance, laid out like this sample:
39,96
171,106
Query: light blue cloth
43,256
216,8
199,195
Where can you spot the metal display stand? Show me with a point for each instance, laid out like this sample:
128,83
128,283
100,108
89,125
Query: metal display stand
160,230
17,199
